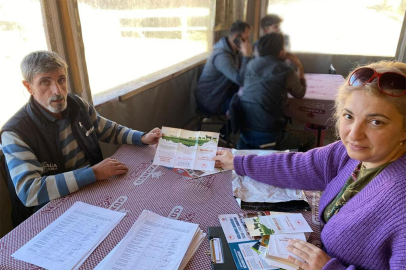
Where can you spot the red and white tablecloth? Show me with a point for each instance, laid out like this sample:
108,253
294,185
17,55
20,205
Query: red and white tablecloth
145,186
317,106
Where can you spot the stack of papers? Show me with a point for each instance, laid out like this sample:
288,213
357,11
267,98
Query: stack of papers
68,241
280,227
155,242
240,244
277,247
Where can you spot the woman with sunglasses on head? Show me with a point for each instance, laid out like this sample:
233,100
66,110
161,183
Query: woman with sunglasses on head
363,176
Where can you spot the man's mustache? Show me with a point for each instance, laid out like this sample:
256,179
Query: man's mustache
56,98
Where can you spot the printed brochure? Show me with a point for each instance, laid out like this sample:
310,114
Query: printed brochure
185,149
240,244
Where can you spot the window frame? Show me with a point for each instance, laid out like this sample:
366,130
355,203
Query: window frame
64,36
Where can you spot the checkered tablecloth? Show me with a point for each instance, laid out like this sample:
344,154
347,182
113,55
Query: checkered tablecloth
145,186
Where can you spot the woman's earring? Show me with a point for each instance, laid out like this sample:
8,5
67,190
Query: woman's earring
401,143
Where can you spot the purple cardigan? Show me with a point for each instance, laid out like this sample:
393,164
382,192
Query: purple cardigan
369,232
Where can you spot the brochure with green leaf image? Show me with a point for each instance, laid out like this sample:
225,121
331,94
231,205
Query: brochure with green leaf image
186,149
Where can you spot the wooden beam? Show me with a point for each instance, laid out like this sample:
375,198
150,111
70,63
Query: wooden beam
257,20
70,47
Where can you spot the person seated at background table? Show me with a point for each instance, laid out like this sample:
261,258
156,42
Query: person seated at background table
271,23
363,176
51,145
223,72
268,80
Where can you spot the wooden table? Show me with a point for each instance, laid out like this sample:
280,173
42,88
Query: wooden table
145,186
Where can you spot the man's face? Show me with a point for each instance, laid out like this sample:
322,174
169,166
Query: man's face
274,28
49,90
246,34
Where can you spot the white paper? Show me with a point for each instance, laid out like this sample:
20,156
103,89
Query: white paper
251,259
240,244
233,228
179,148
278,244
70,239
285,223
155,242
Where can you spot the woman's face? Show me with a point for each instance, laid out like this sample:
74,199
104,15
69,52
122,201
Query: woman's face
371,129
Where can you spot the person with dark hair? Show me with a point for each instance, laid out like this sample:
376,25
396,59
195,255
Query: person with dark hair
51,145
268,80
271,23
223,72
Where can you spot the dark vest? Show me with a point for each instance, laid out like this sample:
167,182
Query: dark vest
42,136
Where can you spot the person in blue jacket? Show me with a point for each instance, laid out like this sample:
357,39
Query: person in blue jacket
223,72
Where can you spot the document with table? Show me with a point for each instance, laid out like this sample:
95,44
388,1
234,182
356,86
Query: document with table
69,240
155,242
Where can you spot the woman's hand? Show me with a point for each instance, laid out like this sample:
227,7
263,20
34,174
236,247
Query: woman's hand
224,159
152,137
315,257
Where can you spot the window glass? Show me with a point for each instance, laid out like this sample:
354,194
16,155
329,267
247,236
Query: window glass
21,32
131,43
361,27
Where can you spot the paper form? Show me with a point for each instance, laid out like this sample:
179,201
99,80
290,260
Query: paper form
154,242
70,239
285,223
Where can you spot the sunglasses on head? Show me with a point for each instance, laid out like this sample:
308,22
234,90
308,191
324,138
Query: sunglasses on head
390,83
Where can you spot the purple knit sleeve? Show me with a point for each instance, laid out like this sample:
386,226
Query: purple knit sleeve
312,170
335,264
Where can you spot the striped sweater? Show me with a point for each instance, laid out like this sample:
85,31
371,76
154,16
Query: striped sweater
33,186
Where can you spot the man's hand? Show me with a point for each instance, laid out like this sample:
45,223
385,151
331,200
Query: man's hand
296,61
315,257
109,167
152,137
224,159
246,48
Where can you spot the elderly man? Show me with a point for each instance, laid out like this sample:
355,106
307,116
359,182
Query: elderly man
223,73
51,144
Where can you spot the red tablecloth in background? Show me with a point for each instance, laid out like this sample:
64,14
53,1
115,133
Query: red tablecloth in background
317,106
145,186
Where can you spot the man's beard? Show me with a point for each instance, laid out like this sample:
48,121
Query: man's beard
59,107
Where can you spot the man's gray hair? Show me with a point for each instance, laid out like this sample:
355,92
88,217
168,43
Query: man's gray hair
41,62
